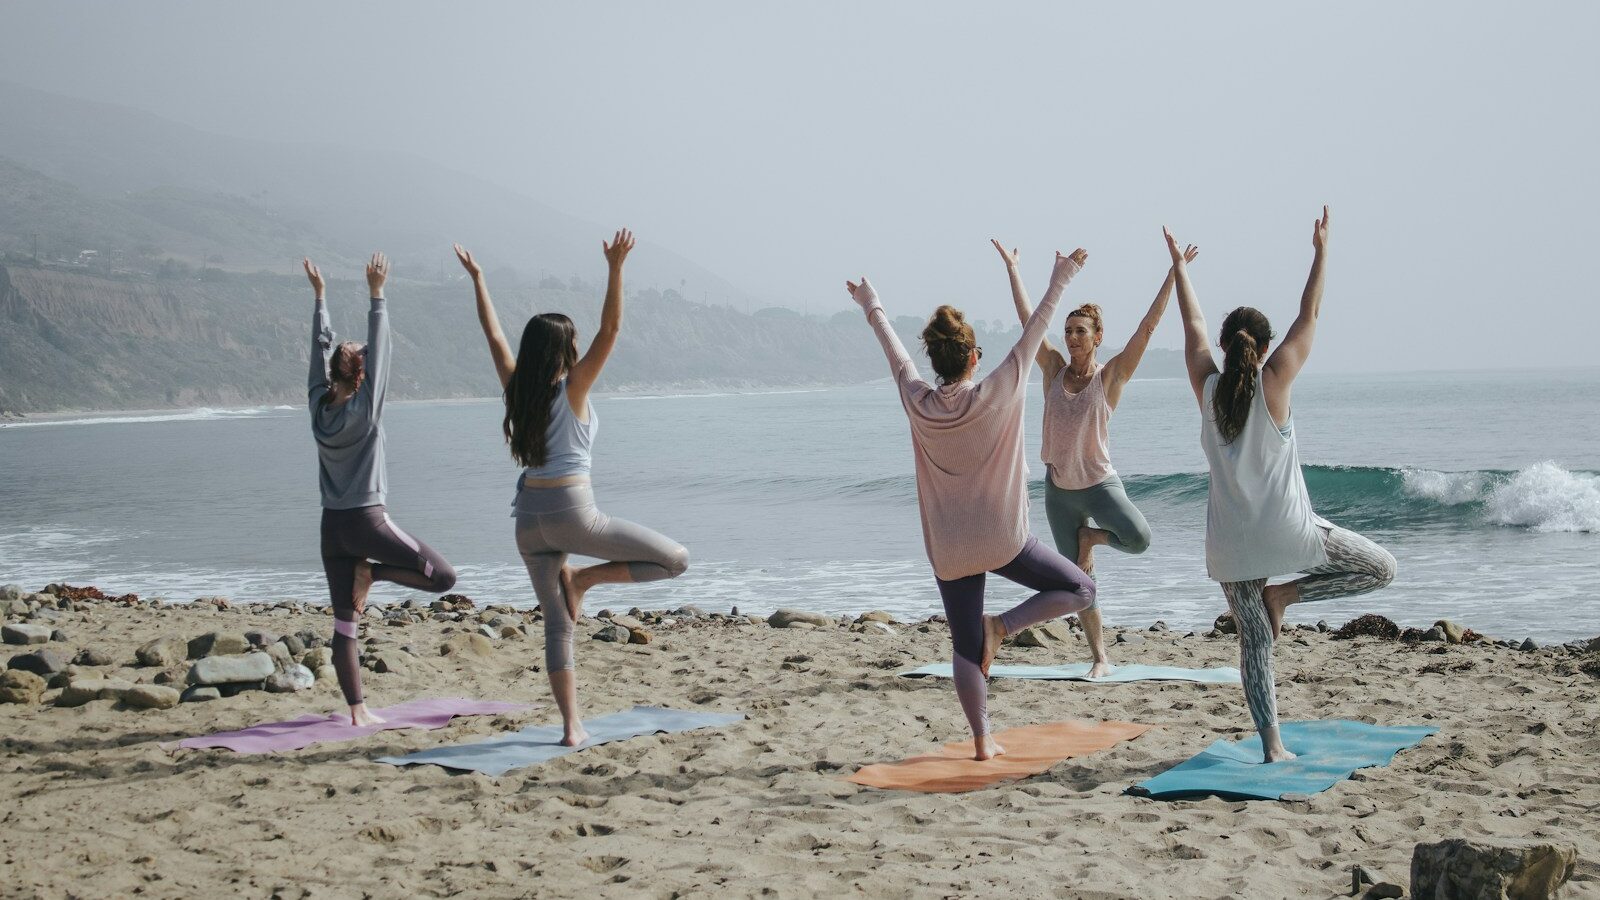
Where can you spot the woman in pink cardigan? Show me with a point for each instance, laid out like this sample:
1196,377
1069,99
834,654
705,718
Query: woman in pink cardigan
972,485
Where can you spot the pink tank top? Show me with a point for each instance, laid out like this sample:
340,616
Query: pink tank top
1077,432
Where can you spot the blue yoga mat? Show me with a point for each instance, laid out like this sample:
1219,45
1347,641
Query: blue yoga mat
1080,672
542,743
1328,752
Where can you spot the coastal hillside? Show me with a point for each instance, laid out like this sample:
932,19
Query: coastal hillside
146,264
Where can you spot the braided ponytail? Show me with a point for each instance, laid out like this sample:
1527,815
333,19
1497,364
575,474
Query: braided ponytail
1245,333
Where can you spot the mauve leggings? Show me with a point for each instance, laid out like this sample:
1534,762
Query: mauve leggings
350,536
1063,590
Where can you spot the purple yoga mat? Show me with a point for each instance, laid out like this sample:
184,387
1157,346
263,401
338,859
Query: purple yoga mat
314,729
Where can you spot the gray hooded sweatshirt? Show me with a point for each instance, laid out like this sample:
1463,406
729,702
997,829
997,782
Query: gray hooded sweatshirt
349,436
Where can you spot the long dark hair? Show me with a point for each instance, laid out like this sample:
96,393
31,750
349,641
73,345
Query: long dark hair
1245,334
949,341
548,351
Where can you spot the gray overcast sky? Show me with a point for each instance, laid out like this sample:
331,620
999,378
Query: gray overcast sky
788,148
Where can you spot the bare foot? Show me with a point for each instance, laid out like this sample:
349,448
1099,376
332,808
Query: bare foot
987,748
574,734
994,631
1277,598
360,715
1101,669
1280,754
1088,539
572,593
362,584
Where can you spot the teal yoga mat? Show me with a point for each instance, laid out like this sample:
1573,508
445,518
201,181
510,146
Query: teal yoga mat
1328,752
542,743
1080,672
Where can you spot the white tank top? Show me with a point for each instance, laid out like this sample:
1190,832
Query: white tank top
1077,432
1259,521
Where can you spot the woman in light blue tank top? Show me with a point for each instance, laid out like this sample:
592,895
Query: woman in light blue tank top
550,426
1259,520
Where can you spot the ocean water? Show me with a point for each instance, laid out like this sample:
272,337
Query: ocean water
1486,487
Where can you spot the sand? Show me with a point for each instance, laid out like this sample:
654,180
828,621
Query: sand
91,805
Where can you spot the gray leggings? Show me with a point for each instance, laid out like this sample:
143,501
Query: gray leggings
1355,566
1107,504
552,522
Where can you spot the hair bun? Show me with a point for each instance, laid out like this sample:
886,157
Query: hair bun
947,323
948,339
1090,311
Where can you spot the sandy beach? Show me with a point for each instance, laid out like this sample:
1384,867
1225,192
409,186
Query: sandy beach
94,806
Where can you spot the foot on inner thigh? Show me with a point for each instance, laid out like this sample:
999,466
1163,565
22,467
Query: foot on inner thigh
994,632
1277,598
573,734
987,748
362,584
360,715
1088,539
572,591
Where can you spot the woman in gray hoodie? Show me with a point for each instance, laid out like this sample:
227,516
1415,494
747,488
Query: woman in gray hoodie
360,544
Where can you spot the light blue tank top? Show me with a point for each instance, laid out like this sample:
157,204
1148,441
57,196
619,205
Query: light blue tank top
567,441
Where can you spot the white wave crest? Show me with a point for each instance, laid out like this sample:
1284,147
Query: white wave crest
1448,488
200,414
1546,497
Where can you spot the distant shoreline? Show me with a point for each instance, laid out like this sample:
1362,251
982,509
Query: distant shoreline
686,390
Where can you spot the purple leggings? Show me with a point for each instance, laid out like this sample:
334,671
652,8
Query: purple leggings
351,536
1063,589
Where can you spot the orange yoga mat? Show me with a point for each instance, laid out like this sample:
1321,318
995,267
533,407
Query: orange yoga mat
1029,750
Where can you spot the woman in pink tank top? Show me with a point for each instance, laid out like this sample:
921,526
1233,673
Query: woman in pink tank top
1080,394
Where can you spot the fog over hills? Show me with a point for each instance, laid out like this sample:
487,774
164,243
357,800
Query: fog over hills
144,264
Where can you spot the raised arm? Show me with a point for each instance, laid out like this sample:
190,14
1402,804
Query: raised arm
1049,358
1121,367
1295,348
321,337
376,384
901,368
1196,352
585,372
1012,373
505,362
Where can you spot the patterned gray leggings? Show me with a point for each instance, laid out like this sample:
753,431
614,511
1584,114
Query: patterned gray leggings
1355,566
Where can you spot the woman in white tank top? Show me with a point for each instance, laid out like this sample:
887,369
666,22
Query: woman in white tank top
1259,520
1081,485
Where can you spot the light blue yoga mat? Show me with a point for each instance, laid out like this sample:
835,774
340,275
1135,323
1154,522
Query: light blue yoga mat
1080,672
542,743
1328,752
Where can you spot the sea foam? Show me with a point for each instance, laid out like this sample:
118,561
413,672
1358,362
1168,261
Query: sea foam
1542,497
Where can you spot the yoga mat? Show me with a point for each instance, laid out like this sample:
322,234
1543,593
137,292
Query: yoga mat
1030,750
313,729
1328,752
542,743
1080,672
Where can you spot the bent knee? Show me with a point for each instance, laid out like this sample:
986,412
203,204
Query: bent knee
1384,568
1137,542
1090,595
444,578
677,562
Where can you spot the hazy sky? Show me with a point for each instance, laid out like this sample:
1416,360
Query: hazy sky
788,148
